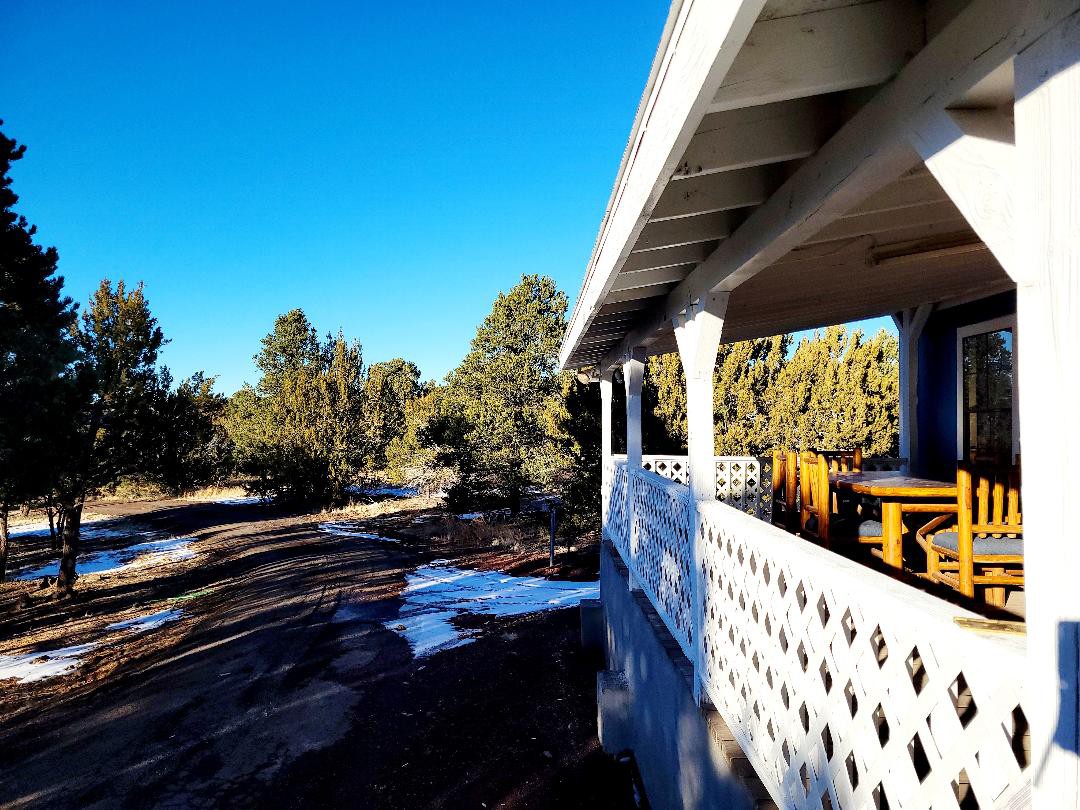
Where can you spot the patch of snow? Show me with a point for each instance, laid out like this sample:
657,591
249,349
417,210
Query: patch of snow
169,549
434,594
86,530
430,632
349,529
34,666
244,500
151,621
393,492
471,516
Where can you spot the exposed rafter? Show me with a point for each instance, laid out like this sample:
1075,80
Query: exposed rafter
822,52
869,150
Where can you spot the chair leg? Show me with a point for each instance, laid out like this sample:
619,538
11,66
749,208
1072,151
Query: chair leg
932,560
995,594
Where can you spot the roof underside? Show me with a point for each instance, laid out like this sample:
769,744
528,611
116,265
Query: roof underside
803,70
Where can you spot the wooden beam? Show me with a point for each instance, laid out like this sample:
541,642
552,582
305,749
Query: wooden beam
667,257
685,231
756,136
868,151
822,52
650,278
912,189
637,293
715,192
699,43
971,154
883,222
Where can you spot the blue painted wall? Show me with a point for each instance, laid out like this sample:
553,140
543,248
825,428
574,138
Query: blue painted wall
936,410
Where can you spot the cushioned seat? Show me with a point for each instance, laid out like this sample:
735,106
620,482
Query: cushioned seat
848,527
856,527
983,546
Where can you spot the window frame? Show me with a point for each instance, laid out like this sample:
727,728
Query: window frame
981,328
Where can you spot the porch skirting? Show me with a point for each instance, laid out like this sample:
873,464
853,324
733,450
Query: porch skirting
686,756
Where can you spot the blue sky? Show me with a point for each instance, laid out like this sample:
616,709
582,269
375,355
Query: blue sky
387,167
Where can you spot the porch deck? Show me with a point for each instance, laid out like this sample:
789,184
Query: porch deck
843,686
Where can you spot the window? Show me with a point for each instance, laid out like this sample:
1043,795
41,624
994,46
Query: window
987,428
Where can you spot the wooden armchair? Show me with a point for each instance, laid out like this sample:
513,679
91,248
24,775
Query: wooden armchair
818,518
982,544
784,489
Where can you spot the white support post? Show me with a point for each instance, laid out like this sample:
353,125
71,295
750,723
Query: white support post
909,325
698,331
1048,344
633,377
606,380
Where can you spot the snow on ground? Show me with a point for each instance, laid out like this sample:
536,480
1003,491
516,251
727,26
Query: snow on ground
168,549
350,529
87,531
392,492
151,621
33,666
434,594
244,500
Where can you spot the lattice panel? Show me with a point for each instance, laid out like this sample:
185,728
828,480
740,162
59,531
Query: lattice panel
674,468
745,483
848,689
617,526
660,553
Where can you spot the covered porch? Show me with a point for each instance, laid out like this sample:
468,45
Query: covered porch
799,164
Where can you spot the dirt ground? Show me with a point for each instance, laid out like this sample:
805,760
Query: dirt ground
258,697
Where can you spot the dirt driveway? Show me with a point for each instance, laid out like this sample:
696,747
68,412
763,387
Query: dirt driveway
261,695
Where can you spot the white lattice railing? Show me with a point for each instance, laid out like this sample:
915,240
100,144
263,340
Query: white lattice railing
743,482
844,687
660,553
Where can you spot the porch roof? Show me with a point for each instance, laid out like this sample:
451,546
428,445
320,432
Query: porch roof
788,152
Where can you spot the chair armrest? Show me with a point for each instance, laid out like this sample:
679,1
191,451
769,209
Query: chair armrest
932,526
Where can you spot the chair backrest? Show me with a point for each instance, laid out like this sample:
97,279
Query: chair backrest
784,471
844,460
988,499
814,489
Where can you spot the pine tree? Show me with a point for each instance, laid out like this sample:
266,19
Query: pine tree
108,408
35,347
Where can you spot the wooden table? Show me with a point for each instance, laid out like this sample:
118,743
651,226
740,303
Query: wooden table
894,489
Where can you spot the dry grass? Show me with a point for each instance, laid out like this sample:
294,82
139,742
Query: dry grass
216,492
378,508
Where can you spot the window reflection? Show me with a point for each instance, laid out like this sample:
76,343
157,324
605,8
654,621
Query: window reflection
988,396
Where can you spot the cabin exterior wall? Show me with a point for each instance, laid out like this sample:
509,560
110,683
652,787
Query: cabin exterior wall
935,455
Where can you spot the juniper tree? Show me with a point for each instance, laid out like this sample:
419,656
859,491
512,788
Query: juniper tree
190,446
389,387
300,432
496,419
35,347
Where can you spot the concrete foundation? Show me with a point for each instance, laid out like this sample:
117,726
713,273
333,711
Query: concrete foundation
645,703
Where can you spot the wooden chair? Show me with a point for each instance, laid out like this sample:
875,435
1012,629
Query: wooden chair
818,517
982,543
785,511
844,460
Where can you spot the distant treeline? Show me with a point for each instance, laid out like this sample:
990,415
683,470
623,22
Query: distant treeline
85,405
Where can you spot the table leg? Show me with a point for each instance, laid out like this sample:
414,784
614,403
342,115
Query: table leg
892,527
